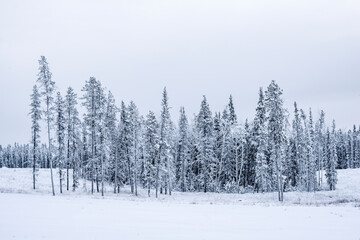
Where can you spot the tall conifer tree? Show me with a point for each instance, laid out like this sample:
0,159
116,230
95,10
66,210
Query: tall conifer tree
48,88
35,113
60,125
276,133
204,126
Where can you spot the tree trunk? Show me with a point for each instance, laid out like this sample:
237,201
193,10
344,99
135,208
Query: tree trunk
205,169
237,178
130,175
60,173
74,185
67,176
241,167
116,171
67,165
148,180
183,174
34,160
49,156
169,175
102,175
92,159
97,179
75,169
157,181
279,177
135,178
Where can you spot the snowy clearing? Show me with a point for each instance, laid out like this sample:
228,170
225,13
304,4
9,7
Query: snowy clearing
38,215
347,191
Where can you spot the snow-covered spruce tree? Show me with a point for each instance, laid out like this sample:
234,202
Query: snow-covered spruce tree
60,126
229,149
297,171
135,128
355,150
218,152
35,114
183,151
193,163
204,125
43,156
262,177
341,150
142,152
245,154
94,104
104,149
166,158
5,156
222,168
112,140
289,165
194,183
249,157
352,148
48,87
72,137
126,145
331,173
84,155
232,115
320,146
238,143
276,133
103,153
312,156
349,150
152,163
310,167
225,149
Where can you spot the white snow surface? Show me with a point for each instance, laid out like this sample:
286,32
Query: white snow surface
36,214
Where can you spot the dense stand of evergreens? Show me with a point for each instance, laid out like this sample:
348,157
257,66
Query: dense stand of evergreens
212,152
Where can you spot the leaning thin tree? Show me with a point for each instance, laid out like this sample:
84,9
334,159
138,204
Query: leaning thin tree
48,87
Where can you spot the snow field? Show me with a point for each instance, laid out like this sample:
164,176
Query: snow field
45,217
28,214
347,191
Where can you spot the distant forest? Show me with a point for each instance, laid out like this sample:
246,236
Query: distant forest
113,144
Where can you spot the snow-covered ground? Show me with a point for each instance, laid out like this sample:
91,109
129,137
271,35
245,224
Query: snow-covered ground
28,214
347,191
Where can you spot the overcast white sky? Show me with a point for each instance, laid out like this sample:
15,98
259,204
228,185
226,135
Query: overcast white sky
216,48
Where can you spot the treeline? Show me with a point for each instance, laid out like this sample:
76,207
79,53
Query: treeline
212,152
